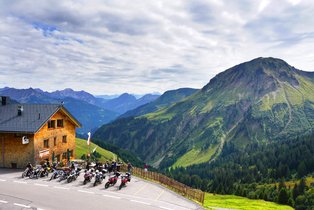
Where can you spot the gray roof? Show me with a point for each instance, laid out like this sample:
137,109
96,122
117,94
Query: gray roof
33,117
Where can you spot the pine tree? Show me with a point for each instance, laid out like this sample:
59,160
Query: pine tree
295,191
302,186
283,196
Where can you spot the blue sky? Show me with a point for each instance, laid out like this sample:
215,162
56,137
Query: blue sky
111,47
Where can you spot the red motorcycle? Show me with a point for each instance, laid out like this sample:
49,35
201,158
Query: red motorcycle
112,180
125,179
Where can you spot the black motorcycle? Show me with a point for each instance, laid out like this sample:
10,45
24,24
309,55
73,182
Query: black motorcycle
73,175
27,172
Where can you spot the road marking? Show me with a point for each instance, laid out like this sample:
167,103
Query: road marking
2,180
111,196
160,194
63,188
141,188
21,205
1,201
42,185
20,182
84,191
165,208
136,201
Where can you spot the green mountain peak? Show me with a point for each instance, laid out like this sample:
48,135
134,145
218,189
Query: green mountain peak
259,101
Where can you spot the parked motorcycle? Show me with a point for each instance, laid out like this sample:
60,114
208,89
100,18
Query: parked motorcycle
56,173
73,175
89,174
35,173
99,177
125,179
112,180
64,174
27,172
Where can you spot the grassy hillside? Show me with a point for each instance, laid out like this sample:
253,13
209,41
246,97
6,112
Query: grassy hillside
82,148
260,101
240,203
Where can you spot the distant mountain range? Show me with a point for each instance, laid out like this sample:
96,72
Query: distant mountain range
91,111
260,101
168,98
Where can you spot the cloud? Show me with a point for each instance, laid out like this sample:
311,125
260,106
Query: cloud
107,47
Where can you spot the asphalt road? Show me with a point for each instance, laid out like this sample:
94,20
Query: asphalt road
25,193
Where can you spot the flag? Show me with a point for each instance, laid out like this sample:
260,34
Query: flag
88,140
94,149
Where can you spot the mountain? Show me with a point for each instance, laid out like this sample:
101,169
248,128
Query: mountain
261,101
27,95
166,99
89,115
126,102
69,93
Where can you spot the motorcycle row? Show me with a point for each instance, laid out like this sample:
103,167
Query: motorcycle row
98,173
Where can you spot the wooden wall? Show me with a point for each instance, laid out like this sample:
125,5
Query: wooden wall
14,152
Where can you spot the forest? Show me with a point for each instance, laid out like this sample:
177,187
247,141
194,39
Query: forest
259,171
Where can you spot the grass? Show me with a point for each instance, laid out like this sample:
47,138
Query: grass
195,156
240,203
82,148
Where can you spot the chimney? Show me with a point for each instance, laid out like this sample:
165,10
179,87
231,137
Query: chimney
19,110
3,100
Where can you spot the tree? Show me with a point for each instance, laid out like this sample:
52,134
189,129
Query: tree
302,186
295,191
283,196
301,169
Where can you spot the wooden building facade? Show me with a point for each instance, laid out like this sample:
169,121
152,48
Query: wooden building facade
35,133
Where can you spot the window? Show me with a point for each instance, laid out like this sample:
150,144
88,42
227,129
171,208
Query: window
55,141
64,139
51,124
46,143
60,123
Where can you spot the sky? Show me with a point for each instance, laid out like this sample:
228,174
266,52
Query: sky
140,46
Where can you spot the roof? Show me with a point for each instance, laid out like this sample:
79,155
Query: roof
33,117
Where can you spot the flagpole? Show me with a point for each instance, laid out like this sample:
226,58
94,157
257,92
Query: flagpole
88,143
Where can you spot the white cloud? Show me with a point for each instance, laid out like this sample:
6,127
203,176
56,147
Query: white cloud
107,47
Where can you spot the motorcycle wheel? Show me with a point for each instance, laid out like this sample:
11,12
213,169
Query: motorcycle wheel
23,174
69,180
85,181
95,183
107,185
120,187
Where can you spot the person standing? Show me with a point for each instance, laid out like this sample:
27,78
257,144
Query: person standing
130,167
145,167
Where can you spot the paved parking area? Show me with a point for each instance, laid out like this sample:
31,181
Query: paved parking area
25,193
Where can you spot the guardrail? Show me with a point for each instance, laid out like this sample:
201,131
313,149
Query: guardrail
174,185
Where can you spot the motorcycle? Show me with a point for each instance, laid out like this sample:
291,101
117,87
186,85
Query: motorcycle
99,177
55,174
89,174
112,180
124,179
27,172
73,175
35,173
64,174
43,172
